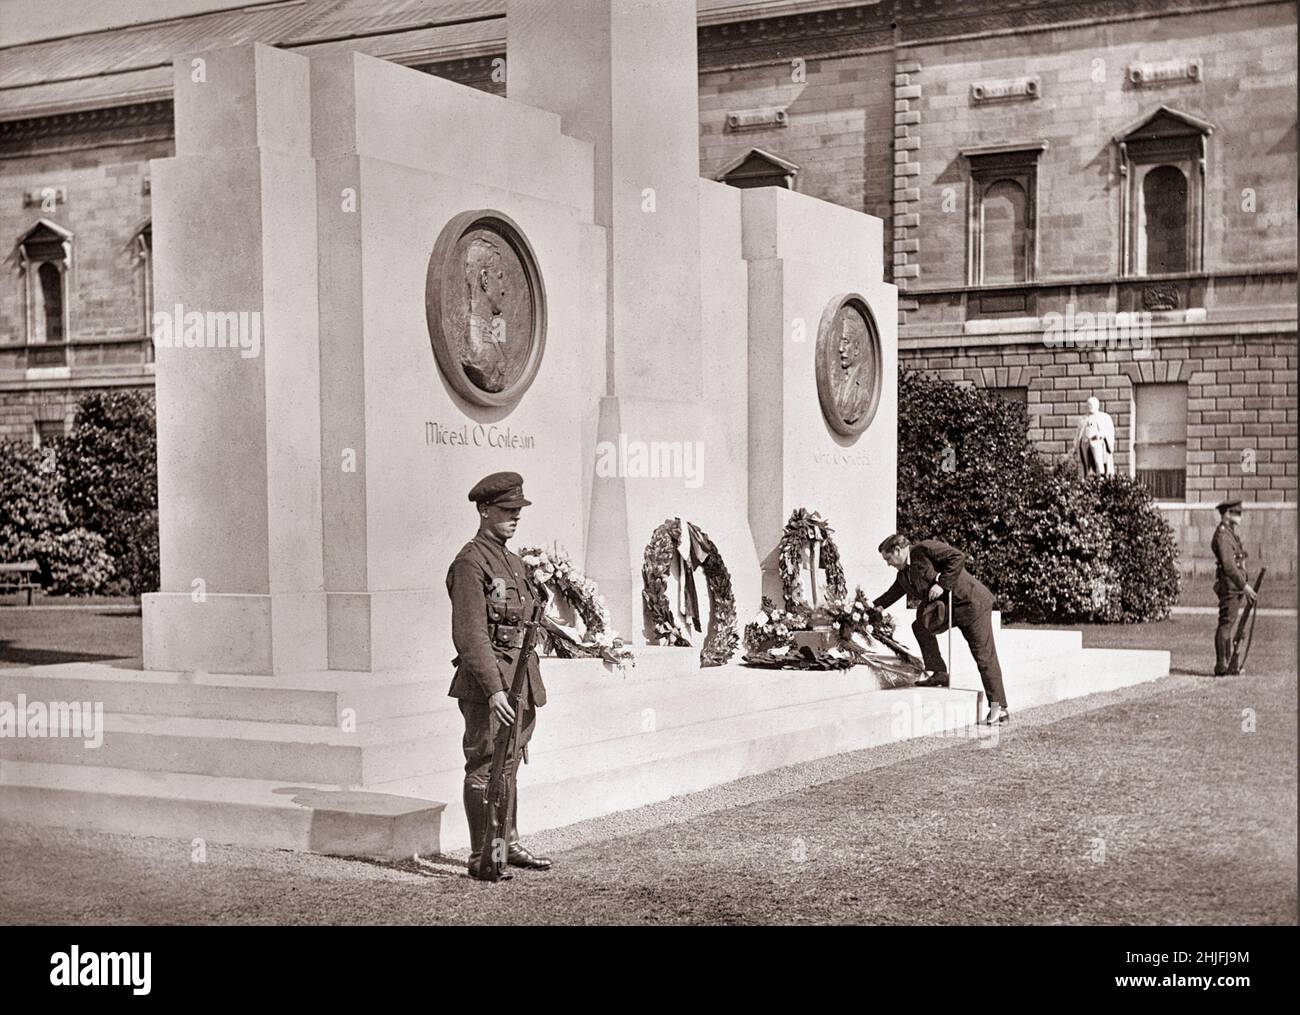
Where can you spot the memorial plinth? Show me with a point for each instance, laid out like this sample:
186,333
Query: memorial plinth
447,284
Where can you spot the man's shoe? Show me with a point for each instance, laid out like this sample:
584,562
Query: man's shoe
473,871
519,856
998,716
933,680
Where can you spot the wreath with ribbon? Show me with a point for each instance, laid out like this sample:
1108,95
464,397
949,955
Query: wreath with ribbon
810,533
722,639
554,573
838,636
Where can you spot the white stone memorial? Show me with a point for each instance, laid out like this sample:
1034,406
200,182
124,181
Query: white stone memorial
449,284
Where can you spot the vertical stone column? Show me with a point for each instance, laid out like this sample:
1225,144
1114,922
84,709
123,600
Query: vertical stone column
238,390
623,76
907,167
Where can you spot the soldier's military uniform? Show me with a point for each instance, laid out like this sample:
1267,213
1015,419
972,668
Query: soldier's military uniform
1230,582
491,598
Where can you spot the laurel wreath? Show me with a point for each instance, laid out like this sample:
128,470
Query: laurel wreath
796,538
552,570
722,640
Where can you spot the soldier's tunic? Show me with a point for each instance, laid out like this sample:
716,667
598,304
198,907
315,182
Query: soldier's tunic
931,561
491,598
1230,582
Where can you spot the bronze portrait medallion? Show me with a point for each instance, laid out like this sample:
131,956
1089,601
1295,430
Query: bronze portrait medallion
848,365
486,308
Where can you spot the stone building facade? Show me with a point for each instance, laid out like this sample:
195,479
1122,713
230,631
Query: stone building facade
1081,198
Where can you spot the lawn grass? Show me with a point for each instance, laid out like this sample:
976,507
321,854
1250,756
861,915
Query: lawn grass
1167,807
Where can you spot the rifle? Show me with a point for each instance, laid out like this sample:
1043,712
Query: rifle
498,795
1247,615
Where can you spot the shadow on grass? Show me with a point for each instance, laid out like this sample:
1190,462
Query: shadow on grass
15,655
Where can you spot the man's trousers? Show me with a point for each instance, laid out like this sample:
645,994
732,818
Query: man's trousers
1229,607
975,621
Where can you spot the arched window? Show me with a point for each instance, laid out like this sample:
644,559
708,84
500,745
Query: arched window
49,304
1162,162
1003,194
43,254
1005,209
142,251
1163,222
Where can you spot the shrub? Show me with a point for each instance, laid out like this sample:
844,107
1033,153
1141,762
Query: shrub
34,525
1049,544
110,482
73,562
1144,553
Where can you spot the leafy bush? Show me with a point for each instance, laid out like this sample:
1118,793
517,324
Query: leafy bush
110,482
1048,543
1145,556
73,562
34,525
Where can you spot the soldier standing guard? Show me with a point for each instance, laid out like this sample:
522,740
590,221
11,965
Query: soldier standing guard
1230,581
491,598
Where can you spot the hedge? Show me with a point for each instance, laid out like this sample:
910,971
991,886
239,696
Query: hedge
1050,544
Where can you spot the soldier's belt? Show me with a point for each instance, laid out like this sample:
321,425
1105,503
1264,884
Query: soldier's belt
508,636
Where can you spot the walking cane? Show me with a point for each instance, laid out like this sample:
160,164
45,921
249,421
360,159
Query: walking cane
950,635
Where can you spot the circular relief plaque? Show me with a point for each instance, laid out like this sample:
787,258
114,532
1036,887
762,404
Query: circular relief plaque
486,308
848,365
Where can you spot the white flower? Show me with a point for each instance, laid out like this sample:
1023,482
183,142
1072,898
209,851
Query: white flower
761,619
532,560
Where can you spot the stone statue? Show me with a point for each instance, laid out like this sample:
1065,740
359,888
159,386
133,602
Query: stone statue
1095,443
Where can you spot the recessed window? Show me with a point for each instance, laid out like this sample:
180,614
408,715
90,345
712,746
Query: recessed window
48,432
142,249
44,255
1160,439
1003,210
1162,230
1019,395
1162,161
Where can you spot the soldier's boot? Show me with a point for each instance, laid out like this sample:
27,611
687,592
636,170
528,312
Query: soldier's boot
476,814
518,854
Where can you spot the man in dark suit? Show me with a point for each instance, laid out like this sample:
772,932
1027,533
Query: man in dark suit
1231,584
928,570
491,598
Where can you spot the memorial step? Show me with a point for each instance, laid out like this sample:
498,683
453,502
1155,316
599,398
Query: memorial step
217,809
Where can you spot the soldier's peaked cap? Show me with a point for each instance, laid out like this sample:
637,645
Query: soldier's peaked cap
504,489
1227,505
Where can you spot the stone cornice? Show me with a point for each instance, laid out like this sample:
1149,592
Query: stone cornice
85,128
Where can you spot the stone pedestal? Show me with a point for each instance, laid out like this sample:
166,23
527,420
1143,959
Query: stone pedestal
802,255
239,467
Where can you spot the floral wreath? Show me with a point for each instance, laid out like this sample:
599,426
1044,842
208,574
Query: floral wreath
721,642
849,628
801,530
554,573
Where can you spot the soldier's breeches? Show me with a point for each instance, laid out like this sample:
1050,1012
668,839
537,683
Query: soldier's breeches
1229,607
479,741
